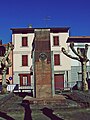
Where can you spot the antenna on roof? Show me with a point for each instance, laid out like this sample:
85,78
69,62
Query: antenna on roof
47,18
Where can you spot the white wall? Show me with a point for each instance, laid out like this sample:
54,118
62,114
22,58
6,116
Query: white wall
17,41
62,43
65,62
79,45
19,51
17,60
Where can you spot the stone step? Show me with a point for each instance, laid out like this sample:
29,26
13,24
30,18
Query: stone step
44,101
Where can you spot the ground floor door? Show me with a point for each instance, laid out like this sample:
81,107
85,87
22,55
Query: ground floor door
59,81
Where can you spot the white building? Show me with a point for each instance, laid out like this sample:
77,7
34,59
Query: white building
79,42
22,39
61,64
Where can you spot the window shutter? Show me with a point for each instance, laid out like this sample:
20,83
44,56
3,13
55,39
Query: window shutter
21,79
56,59
56,40
29,80
24,60
24,41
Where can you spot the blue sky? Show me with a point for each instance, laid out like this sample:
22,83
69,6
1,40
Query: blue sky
63,13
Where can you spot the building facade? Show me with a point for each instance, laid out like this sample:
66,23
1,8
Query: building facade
22,41
61,65
30,46
79,42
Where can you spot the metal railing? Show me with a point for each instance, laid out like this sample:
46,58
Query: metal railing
12,87
18,88
68,86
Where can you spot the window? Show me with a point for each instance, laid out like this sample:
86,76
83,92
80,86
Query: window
56,59
56,40
24,60
25,80
24,41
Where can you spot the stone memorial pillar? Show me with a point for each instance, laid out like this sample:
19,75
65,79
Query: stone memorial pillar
42,64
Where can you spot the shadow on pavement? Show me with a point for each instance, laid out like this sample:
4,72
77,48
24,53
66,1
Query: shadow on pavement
5,116
23,94
49,113
26,105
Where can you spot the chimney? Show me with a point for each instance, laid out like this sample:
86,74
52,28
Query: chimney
0,42
30,26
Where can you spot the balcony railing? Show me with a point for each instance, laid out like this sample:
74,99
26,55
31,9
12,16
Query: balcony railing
18,88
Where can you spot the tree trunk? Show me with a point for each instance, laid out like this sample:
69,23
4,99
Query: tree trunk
4,85
84,76
3,77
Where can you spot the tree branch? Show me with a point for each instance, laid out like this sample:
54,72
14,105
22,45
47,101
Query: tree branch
8,50
68,55
86,49
73,49
79,53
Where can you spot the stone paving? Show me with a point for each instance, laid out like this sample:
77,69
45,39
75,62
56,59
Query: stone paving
12,107
66,110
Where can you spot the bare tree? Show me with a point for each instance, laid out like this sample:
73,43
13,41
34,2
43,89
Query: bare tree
81,56
5,64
